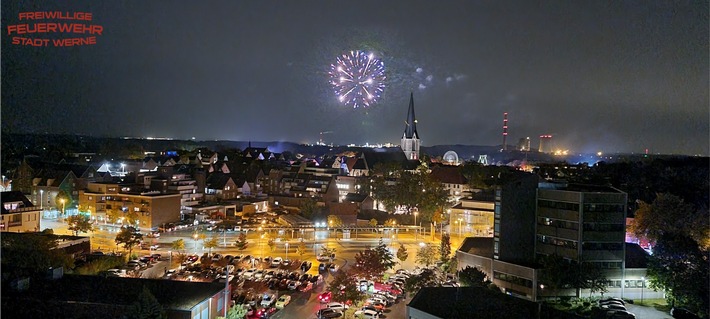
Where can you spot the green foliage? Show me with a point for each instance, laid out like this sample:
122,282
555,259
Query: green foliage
373,222
100,264
427,278
211,243
335,221
79,223
113,215
395,187
62,201
236,312
390,222
301,249
445,247
146,307
344,288
178,245
129,237
402,253
681,253
473,277
426,255
372,263
241,242
309,208
272,244
31,255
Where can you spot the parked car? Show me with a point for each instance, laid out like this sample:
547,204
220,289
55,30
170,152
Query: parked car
328,313
322,267
283,301
286,262
276,262
306,286
367,314
337,306
293,284
332,267
682,313
306,265
249,273
267,300
325,297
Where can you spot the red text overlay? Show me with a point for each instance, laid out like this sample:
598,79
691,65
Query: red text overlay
67,29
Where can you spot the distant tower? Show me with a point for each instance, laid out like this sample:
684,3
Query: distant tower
505,129
410,138
545,141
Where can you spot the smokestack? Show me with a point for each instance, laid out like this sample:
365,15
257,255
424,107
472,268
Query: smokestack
505,129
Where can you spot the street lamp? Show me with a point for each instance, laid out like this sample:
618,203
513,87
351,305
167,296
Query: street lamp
41,199
261,253
63,202
195,237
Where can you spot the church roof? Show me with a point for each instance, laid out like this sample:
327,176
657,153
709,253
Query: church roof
410,131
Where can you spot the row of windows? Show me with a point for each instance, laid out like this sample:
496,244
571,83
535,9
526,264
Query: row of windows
558,205
512,279
557,241
602,246
603,208
557,223
604,227
627,284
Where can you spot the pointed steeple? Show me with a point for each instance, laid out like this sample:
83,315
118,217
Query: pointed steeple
410,131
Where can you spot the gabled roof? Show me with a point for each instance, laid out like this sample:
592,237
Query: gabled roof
636,257
479,246
217,180
355,197
14,196
448,175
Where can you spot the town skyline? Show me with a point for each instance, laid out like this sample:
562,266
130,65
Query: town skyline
615,78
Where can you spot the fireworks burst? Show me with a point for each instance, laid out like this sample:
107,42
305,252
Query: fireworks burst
358,78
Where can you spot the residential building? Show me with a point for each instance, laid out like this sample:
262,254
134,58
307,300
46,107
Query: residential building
112,202
18,213
453,180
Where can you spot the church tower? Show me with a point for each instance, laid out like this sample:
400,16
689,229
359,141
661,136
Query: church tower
410,138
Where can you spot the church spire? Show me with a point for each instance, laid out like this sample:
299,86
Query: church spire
410,131
410,139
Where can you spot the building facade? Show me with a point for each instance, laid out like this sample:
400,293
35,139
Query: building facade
18,213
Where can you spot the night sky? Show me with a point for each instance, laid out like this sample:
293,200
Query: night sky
612,76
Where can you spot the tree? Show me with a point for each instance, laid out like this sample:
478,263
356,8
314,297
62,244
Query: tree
309,208
386,257
669,214
132,218
178,245
301,249
555,273
473,277
445,247
62,200
146,307
272,244
241,242
427,278
680,256
451,265
344,288
426,255
236,312
373,222
79,223
129,237
31,255
211,243
390,222
113,215
402,253
335,221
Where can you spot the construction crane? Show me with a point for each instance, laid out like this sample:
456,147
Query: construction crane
320,140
